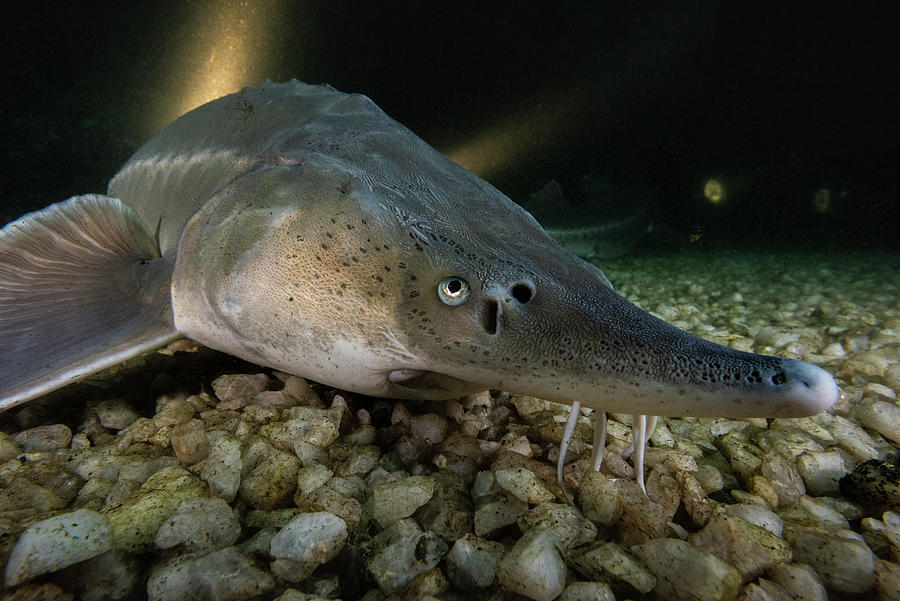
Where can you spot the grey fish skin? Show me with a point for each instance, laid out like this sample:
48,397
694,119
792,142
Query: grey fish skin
314,234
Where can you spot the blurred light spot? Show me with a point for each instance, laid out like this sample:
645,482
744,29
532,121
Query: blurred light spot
713,191
525,133
822,200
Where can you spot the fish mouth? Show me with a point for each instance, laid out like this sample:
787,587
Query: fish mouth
425,384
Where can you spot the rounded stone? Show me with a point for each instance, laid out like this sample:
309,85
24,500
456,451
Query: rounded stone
523,484
199,524
587,591
222,468
471,562
57,542
881,416
393,501
44,438
223,575
306,542
189,442
845,563
115,414
533,567
685,572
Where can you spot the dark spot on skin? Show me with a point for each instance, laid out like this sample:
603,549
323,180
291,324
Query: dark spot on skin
364,222
329,233
291,299
324,246
344,286
401,265
413,278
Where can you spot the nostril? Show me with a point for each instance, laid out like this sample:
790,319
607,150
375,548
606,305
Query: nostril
489,317
522,292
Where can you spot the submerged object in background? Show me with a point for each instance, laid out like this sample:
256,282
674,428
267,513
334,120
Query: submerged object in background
600,221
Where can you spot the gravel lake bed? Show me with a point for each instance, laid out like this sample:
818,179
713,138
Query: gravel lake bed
188,474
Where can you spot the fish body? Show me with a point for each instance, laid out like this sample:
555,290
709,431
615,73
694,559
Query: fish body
316,235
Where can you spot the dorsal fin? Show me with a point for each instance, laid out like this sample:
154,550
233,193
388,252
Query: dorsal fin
82,287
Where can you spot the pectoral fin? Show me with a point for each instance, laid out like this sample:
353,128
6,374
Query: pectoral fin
82,287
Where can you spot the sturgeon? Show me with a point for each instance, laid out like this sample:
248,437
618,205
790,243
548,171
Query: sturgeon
303,229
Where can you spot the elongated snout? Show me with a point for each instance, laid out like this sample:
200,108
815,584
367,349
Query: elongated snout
607,353
671,372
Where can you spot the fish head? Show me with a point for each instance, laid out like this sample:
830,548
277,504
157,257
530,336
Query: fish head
499,304
413,278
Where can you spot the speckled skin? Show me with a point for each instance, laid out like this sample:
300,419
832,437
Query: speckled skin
311,234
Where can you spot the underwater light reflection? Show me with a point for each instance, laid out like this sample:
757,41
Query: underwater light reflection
518,137
222,47
714,191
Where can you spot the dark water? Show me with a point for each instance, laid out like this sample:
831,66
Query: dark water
792,111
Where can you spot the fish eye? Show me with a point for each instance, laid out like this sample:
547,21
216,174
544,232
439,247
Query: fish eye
453,291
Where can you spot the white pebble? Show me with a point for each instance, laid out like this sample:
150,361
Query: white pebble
844,563
822,471
881,416
533,567
749,548
523,484
306,542
881,390
58,542
587,591
471,562
219,576
199,524
758,516
396,500
800,581
685,572
222,468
